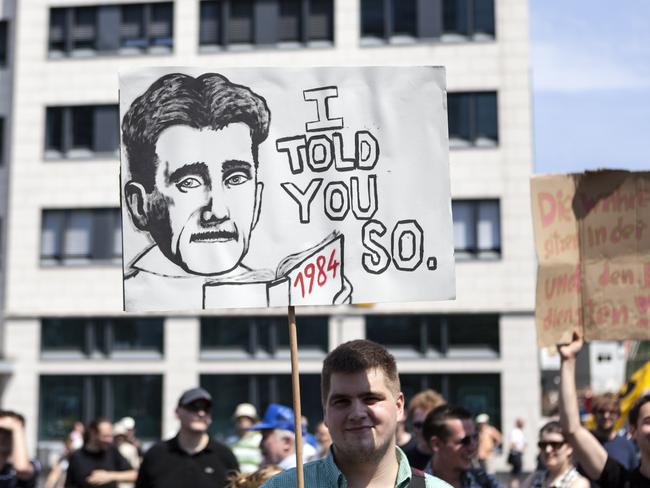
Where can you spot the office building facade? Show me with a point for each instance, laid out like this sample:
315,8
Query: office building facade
70,353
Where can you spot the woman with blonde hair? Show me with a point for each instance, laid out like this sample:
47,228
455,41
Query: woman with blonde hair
256,479
555,453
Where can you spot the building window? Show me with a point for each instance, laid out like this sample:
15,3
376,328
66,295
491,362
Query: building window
468,19
65,399
479,393
477,229
81,236
451,336
130,28
261,337
81,132
228,390
2,141
102,338
409,20
4,42
233,23
473,120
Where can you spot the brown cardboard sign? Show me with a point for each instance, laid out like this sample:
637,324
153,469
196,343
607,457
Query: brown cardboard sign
592,236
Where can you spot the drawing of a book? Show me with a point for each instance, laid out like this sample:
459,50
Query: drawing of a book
310,277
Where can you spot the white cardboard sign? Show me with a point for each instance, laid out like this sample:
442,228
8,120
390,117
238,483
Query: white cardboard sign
256,187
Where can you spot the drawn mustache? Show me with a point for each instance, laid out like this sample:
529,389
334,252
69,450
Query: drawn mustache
215,235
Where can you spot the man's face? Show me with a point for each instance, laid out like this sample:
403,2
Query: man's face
418,416
196,416
206,197
555,451
274,449
606,418
457,450
103,437
641,432
361,412
242,424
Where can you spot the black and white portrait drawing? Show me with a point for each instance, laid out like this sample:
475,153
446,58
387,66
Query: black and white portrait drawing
248,188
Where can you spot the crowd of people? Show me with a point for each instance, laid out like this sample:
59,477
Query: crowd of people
364,440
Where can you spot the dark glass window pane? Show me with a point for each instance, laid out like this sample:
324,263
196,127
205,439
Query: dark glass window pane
489,227
260,390
84,31
478,393
227,392
140,397
161,30
464,217
484,17
313,333
82,127
138,335
372,18
321,21
404,18
459,108
210,23
63,335
486,116
106,124
54,128
397,332
290,20
225,332
132,30
60,405
3,42
475,332
415,383
455,16
58,29
52,235
240,27
78,235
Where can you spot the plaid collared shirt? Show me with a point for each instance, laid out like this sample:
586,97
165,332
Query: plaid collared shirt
324,473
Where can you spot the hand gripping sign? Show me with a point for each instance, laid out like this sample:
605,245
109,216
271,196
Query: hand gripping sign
274,187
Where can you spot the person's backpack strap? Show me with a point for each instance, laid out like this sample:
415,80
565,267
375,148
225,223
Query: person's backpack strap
417,479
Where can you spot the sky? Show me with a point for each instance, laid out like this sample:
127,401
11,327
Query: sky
590,64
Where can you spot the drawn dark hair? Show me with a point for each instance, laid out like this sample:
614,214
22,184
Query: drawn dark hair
209,101
633,416
356,357
435,423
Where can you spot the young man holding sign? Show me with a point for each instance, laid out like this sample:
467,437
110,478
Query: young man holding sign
590,454
362,403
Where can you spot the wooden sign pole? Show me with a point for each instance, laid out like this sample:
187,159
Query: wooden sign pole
295,388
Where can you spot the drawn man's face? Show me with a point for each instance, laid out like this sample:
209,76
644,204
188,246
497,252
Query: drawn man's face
207,198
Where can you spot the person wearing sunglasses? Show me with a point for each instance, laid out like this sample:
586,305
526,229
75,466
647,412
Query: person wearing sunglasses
191,459
453,440
555,454
593,458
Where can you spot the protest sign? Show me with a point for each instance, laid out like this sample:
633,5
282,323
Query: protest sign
592,238
249,187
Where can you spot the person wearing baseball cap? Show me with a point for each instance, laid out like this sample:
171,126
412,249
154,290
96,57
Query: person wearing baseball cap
190,458
245,444
279,437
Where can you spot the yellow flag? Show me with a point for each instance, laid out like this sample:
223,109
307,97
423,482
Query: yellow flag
636,386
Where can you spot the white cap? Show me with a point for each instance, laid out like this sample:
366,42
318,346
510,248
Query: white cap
482,418
128,423
245,410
